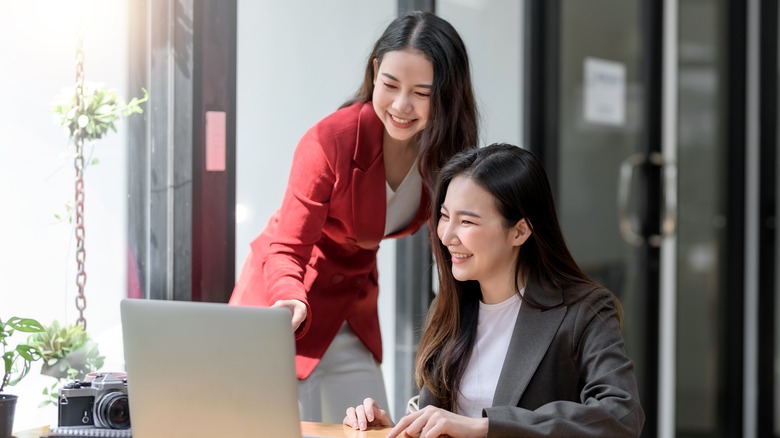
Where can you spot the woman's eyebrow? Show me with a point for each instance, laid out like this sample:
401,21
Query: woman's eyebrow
463,213
467,213
428,86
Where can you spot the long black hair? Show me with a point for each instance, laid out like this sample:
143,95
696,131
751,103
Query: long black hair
452,124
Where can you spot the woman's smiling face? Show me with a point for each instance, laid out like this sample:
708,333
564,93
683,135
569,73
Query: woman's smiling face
481,245
402,89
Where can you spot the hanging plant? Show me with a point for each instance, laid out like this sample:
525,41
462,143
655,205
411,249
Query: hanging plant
68,354
102,108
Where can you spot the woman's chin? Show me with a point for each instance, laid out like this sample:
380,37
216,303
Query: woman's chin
461,276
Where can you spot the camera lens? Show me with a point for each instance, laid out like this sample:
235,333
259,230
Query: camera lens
112,411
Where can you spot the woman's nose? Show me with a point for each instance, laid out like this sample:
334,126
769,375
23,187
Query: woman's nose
447,235
402,103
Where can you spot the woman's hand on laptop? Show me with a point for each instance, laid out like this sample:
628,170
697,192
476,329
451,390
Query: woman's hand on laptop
369,414
296,308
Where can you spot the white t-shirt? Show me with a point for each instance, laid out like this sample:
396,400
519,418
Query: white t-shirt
495,325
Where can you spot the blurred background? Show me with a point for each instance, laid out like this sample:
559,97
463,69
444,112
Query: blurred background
656,121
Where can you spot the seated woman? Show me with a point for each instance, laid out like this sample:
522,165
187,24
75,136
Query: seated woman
519,341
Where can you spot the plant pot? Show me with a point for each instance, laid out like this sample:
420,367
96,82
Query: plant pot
7,408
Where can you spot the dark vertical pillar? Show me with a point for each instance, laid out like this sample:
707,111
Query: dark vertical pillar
649,208
172,148
413,297
730,404
542,83
405,6
413,285
160,161
181,226
767,217
214,126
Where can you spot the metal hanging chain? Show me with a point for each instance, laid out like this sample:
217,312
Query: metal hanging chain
81,252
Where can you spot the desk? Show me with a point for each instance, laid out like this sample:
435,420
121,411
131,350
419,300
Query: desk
330,430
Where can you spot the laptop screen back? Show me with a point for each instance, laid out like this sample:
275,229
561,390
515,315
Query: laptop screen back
208,370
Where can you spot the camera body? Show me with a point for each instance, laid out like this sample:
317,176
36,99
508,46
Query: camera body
101,403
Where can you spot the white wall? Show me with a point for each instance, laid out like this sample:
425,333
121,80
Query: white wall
298,62
493,33
37,265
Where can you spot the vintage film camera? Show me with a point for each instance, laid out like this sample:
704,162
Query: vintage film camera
101,403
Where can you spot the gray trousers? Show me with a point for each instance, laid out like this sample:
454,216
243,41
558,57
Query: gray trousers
347,374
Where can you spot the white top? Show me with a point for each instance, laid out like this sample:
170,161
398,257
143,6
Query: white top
495,325
402,204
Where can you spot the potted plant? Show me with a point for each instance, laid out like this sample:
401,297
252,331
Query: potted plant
68,354
16,364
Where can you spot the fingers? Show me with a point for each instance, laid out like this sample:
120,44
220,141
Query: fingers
404,424
375,415
367,414
356,418
369,405
351,418
433,422
297,309
299,315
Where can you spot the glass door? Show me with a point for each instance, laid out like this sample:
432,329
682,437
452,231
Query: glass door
597,122
602,169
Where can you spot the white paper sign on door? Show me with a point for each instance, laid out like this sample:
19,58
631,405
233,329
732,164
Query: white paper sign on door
605,92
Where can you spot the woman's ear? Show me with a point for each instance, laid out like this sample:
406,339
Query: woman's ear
376,69
522,231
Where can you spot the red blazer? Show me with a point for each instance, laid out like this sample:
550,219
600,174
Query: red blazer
320,246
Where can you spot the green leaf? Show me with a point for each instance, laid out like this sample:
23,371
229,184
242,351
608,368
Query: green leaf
20,373
28,353
25,325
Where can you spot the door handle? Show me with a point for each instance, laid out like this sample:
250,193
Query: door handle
626,218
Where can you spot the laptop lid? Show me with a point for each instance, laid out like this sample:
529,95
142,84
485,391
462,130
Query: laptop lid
207,369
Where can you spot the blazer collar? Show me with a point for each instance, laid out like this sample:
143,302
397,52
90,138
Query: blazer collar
546,298
370,129
368,180
533,333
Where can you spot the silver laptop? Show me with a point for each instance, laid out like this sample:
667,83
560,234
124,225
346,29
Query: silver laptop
209,370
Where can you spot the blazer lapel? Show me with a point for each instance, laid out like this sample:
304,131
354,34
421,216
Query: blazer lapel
369,205
534,331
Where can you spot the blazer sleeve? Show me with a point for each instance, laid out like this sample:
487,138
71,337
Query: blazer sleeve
609,404
301,218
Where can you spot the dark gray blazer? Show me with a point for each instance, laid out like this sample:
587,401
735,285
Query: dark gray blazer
566,372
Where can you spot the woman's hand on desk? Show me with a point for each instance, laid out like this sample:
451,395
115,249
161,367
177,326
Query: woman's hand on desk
296,308
369,414
436,422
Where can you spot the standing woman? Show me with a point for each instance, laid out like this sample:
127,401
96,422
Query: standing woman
360,175
519,341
